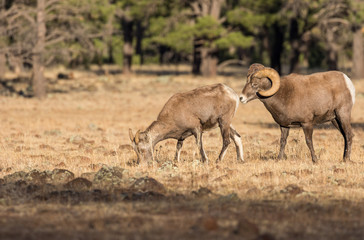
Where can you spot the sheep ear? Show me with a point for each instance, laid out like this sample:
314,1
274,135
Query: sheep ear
131,136
136,140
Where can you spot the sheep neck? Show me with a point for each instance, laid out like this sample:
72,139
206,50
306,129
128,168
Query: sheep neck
156,132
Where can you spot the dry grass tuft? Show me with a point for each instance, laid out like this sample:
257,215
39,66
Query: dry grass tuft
84,131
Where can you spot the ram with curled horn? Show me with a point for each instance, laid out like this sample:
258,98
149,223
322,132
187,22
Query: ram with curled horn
303,101
190,114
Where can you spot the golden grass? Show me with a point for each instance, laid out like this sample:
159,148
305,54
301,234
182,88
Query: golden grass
82,131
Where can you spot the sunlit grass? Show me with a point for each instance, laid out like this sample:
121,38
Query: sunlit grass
83,131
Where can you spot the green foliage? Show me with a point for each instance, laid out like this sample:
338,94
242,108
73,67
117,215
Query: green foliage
172,25
316,55
357,15
248,20
234,39
117,47
139,9
208,28
178,37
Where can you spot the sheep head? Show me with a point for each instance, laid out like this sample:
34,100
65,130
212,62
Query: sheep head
261,82
142,145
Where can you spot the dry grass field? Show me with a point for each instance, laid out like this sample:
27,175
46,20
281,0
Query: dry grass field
86,132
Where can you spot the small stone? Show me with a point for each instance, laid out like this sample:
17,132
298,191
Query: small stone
79,184
37,177
88,175
61,176
15,177
202,193
109,175
147,184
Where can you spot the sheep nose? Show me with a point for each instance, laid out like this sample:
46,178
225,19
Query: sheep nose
243,99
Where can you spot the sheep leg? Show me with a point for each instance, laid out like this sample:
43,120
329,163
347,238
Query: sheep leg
198,135
343,120
308,130
234,135
225,133
283,142
336,124
178,149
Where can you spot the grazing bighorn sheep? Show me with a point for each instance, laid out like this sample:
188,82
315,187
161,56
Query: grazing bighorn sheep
191,113
303,101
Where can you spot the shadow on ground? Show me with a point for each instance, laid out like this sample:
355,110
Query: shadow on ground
56,205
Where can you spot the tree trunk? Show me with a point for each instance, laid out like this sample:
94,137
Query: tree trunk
295,45
208,63
276,47
127,25
139,38
332,60
197,45
108,39
39,84
358,54
2,65
204,59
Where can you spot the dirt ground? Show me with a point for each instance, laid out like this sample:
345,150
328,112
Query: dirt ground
67,170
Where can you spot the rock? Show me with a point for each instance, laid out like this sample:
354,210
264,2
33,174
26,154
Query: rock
79,184
202,193
15,177
88,175
61,176
109,175
292,190
147,184
37,177
232,197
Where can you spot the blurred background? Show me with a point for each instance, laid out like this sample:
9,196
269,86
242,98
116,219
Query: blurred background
200,37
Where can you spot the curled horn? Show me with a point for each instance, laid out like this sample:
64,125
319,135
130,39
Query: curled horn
255,67
137,137
273,76
131,135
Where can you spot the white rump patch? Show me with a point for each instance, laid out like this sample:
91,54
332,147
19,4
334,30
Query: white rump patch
233,95
350,86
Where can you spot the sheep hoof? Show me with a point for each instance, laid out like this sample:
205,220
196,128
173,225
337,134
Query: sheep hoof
241,160
348,161
203,160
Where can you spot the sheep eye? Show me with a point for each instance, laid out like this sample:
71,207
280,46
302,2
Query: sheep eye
254,85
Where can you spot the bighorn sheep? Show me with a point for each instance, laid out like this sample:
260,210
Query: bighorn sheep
303,101
191,113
